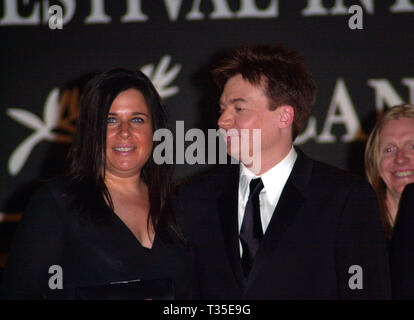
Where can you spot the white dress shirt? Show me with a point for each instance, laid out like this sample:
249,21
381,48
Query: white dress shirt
274,181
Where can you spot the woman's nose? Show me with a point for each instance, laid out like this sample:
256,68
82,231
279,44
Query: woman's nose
124,130
400,157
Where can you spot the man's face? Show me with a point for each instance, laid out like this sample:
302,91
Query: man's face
245,106
397,155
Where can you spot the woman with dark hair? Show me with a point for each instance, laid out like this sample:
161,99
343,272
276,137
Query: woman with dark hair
105,230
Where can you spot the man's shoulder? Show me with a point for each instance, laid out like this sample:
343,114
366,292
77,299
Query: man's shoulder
335,177
324,175
320,167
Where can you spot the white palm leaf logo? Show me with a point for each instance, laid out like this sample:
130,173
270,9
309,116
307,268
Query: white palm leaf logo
54,117
42,130
161,78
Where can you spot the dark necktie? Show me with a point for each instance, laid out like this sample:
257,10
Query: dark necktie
251,232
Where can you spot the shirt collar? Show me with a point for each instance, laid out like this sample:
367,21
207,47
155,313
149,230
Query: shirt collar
272,178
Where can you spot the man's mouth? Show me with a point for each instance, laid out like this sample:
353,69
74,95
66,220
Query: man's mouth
229,134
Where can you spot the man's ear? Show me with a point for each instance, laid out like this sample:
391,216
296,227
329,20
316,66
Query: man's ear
287,115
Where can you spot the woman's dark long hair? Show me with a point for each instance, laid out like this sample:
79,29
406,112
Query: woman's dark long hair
87,156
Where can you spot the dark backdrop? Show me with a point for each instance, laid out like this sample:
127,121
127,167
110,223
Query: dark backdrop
358,72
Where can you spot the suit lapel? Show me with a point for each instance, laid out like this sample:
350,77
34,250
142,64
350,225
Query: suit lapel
290,203
227,205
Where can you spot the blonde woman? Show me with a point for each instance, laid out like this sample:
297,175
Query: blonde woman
389,160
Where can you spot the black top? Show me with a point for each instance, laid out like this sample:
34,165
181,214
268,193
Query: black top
52,232
402,248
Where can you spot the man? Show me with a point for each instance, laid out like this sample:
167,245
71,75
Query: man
304,230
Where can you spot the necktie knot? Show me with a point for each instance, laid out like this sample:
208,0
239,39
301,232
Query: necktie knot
256,185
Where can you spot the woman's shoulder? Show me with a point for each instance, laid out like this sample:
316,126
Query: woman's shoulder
409,190
56,187
407,200
63,190
66,197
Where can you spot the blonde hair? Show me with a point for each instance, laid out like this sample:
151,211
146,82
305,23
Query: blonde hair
372,160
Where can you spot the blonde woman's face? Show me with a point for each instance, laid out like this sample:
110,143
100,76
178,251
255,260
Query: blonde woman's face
396,143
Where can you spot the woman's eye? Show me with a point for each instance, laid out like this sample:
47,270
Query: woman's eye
110,120
137,120
388,149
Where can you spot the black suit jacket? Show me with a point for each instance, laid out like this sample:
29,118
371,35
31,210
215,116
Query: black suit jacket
402,248
325,222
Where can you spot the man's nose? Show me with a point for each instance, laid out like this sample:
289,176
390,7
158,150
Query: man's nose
226,119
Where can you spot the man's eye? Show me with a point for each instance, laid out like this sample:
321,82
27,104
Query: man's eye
238,109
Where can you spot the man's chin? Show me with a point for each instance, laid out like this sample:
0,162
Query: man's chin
253,166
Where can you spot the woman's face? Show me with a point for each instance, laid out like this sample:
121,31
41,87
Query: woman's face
129,134
397,155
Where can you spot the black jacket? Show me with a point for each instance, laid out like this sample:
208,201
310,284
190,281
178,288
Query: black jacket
325,222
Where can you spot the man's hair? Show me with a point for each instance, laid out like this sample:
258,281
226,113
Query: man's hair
282,74
373,159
